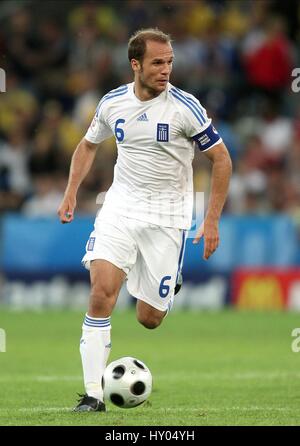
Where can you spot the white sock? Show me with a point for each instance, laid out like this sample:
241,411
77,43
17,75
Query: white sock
170,306
94,349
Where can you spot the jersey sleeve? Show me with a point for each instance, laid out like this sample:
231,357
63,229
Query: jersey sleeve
198,126
99,130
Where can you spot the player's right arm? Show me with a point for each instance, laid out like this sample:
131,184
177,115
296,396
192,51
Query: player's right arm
81,163
82,160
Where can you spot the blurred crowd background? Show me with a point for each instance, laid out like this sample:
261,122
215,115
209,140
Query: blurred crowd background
235,56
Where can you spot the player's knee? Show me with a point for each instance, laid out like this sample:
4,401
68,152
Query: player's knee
150,322
101,300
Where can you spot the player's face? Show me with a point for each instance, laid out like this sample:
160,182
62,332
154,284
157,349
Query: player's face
154,72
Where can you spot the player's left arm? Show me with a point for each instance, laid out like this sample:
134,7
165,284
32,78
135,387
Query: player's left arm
221,173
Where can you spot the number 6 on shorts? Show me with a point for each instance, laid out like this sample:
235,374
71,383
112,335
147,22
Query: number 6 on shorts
163,288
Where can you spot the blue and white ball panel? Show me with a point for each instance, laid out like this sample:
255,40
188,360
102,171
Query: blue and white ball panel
208,138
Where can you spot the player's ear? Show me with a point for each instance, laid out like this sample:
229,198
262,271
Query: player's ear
135,64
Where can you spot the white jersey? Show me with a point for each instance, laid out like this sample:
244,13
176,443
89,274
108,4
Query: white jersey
153,177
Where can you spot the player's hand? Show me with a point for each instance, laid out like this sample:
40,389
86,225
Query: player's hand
209,229
66,209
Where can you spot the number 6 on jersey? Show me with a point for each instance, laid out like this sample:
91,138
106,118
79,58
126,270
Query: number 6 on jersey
118,131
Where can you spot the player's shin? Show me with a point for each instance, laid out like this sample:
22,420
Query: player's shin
95,347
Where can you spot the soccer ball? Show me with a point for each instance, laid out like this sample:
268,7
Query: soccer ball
127,382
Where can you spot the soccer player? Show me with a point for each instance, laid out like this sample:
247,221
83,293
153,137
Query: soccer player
139,233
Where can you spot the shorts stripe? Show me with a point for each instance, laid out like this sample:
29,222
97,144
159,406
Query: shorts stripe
181,255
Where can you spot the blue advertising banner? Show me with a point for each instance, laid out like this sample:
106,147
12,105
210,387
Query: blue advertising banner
246,241
43,246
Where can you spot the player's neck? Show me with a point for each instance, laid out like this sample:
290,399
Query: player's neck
144,93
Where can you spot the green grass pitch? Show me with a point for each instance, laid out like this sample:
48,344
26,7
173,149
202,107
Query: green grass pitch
209,368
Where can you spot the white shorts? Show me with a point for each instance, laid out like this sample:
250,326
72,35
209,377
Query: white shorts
149,254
